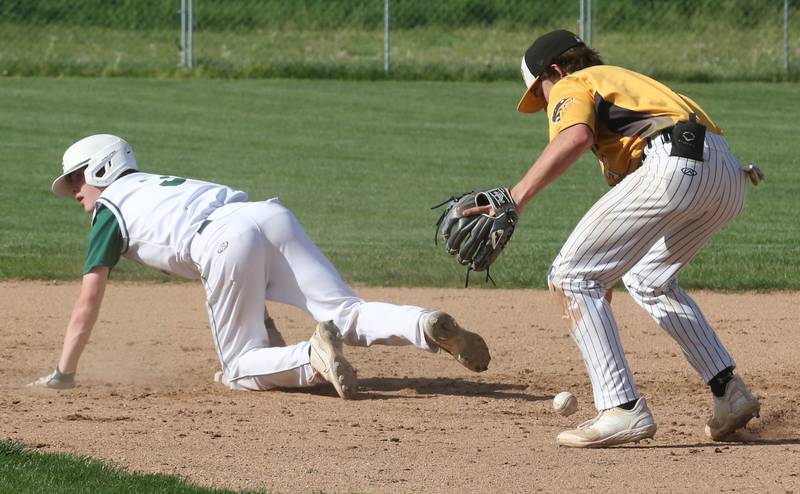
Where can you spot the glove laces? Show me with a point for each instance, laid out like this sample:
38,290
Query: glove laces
488,277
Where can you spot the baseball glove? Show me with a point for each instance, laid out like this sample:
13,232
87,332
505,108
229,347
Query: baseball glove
477,240
754,173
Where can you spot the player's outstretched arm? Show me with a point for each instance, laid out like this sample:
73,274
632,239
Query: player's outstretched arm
558,155
84,316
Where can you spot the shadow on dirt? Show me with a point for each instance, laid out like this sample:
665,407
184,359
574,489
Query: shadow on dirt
378,387
721,445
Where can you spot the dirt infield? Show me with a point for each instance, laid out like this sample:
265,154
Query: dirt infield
146,399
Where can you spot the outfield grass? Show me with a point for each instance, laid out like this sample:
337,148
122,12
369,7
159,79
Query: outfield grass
361,162
24,471
475,53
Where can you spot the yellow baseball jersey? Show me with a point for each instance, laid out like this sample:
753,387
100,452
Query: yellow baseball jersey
623,108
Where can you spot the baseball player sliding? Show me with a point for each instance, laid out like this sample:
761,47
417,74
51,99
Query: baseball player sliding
244,253
676,184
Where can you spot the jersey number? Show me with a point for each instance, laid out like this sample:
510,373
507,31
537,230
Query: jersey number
171,181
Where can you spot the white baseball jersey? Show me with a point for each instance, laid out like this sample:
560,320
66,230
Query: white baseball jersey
158,216
245,253
661,212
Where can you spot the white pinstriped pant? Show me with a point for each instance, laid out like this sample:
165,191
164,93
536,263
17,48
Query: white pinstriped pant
645,230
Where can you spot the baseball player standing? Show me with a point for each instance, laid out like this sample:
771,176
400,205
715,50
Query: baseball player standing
676,184
244,253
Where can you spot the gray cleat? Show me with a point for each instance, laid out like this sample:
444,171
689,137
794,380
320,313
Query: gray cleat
733,410
328,360
611,427
442,331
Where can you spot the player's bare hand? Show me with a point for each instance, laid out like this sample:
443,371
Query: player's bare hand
473,211
54,380
754,173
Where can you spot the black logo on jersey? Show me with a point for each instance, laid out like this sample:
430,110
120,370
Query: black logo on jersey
558,110
688,171
222,247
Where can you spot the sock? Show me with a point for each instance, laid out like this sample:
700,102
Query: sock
718,382
629,405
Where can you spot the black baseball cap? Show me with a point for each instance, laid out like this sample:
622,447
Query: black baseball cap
537,58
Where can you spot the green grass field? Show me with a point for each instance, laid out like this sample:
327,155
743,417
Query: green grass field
426,53
25,471
361,162
464,40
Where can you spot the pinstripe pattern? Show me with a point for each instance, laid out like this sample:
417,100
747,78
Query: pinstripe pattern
645,230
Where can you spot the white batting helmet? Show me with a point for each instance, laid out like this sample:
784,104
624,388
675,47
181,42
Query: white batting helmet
105,157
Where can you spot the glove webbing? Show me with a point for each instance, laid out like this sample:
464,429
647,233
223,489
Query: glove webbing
444,213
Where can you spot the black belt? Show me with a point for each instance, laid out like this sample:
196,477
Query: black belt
664,134
203,226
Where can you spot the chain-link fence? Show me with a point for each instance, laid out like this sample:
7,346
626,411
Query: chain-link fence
698,39
445,39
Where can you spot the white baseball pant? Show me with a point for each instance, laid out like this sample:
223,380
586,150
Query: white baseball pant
252,252
645,230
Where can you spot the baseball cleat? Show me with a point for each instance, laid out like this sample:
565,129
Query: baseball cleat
328,360
54,380
442,331
733,410
220,377
611,427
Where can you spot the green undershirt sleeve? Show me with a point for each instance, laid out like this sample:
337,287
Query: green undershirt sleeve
105,241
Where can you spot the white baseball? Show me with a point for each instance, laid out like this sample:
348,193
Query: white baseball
565,403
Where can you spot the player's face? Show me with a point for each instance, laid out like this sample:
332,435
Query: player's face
85,194
545,88
536,89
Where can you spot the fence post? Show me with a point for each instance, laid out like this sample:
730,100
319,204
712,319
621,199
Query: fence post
190,56
183,34
588,39
387,48
786,35
585,21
